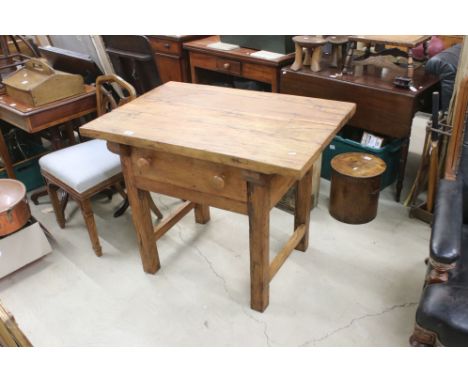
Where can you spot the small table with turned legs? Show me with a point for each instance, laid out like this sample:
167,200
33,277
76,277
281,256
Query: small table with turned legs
237,150
407,42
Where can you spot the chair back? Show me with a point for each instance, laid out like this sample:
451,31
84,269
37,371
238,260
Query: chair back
107,99
133,59
454,150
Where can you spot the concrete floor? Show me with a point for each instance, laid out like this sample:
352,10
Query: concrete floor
355,285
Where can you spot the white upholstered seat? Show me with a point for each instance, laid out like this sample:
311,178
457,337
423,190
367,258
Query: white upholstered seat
82,166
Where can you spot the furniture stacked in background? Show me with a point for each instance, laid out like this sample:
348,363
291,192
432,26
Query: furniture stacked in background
132,59
53,121
382,108
442,314
170,57
86,169
23,126
235,65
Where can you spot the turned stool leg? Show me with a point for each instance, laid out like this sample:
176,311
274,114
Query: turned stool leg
88,216
297,65
307,56
316,56
334,56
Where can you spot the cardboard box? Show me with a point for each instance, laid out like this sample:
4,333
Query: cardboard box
22,247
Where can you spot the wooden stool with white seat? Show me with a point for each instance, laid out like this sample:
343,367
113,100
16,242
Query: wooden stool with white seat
88,168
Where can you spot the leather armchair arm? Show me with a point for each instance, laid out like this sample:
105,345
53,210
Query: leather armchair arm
448,220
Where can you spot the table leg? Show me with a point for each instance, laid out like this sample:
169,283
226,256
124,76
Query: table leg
202,213
5,155
347,68
259,231
302,208
141,215
402,168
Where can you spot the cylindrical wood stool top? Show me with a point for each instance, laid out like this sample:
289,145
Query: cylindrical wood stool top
355,187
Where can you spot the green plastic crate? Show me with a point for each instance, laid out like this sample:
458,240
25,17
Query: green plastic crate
389,153
27,172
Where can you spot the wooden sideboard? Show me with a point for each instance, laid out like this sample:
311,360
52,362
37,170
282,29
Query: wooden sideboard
382,108
236,62
170,57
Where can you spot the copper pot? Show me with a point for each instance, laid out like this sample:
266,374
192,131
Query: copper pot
14,208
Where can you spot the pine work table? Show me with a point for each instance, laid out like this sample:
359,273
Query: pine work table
238,150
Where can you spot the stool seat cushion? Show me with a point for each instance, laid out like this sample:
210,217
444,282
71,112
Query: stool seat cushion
82,166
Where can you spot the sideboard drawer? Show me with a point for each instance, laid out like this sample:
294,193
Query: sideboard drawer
166,46
228,66
190,174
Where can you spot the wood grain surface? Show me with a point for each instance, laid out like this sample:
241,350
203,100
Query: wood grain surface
409,41
259,131
358,165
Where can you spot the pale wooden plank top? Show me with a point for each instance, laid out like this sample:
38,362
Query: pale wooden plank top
409,41
259,131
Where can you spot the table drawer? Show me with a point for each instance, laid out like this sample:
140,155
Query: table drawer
191,174
228,66
166,46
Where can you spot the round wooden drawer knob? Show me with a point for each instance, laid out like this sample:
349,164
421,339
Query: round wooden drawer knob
218,182
167,45
227,65
143,163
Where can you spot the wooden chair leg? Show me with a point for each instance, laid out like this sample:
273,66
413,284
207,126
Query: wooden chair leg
52,190
88,216
422,337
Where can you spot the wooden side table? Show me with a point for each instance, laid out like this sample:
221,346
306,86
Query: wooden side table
237,62
37,119
246,151
400,41
170,58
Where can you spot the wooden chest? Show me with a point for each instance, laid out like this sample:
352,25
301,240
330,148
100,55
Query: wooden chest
38,83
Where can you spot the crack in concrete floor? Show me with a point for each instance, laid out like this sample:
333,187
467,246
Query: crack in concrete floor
314,341
223,280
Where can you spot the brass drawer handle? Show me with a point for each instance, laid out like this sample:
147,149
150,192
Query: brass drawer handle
217,182
227,65
143,163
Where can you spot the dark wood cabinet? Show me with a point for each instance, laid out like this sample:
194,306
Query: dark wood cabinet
170,57
238,62
382,108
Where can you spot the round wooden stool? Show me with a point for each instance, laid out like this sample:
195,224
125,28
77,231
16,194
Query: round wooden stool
355,187
310,43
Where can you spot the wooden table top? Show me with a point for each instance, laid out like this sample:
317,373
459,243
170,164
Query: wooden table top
264,132
238,53
408,41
